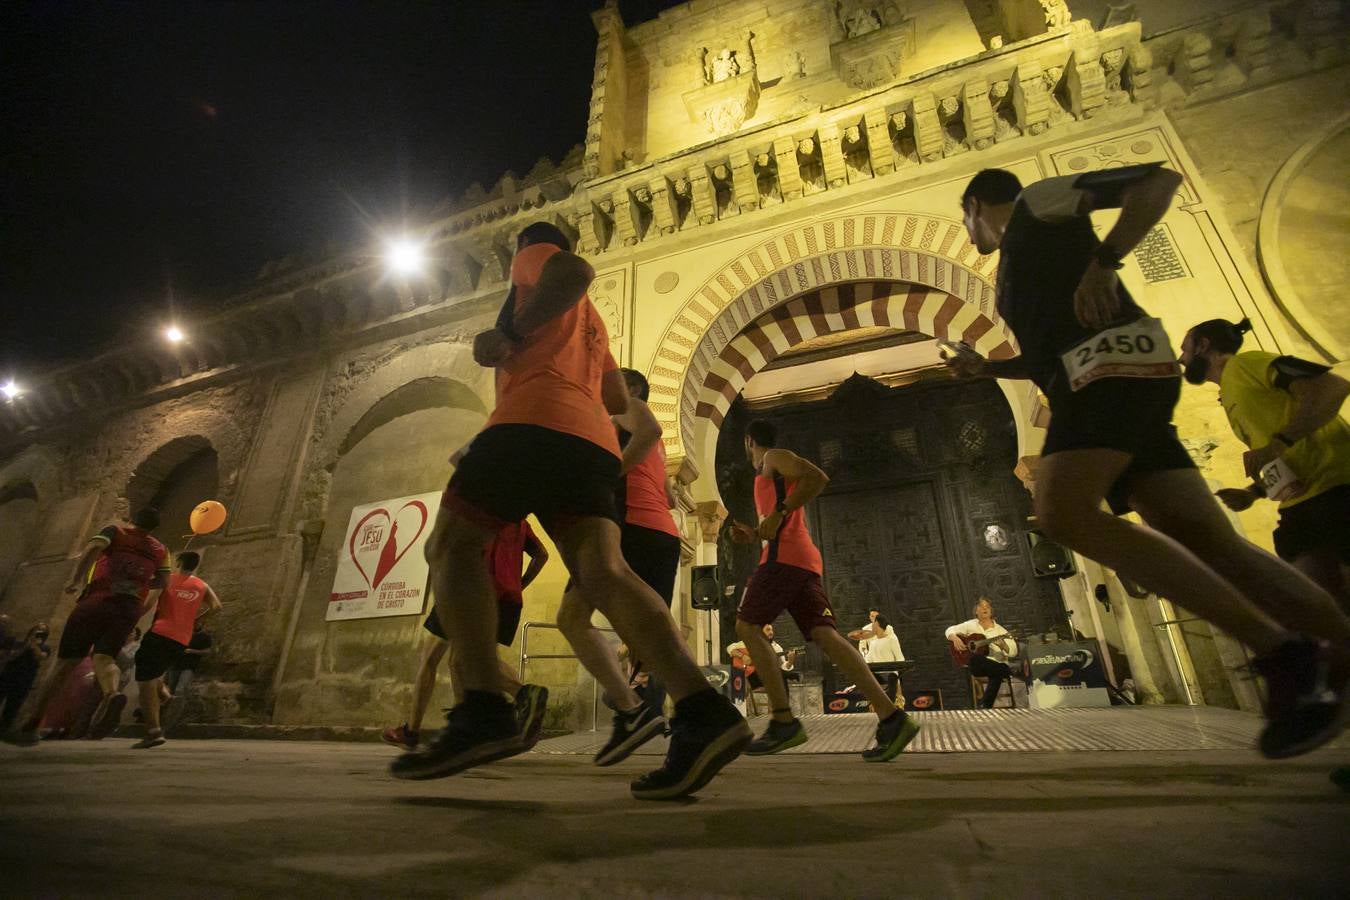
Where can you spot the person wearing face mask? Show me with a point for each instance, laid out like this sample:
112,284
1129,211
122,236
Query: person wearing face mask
1287,411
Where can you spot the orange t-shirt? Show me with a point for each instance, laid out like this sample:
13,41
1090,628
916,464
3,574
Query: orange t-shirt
645,494
792,546
552,378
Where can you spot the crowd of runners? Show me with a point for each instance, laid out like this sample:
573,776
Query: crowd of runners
572,442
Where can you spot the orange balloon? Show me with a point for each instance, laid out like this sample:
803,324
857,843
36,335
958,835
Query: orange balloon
207,517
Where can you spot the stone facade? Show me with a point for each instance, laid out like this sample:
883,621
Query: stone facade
738,155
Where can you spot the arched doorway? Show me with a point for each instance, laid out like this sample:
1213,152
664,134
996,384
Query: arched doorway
174,479
359,672
18,527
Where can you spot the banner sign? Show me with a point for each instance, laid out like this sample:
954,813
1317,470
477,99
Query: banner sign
381,570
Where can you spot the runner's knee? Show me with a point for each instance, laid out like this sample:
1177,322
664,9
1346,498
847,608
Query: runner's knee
573,614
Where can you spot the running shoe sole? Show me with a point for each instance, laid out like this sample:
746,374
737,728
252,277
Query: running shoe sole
801,737
107,717
421,767
715,757
147,742
22,738
402,745
909,729
618,754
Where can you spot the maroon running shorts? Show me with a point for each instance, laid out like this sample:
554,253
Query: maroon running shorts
778,587
101,624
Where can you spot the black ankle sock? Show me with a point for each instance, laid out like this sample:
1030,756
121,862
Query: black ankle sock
898,712
488,703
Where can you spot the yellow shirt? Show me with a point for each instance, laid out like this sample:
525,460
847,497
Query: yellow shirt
1257,409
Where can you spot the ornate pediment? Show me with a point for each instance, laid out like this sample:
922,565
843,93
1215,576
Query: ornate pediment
874,57
724,106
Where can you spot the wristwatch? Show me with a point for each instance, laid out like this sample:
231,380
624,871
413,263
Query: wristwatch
1107,257
781,507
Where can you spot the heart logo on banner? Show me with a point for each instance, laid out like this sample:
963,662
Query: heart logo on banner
390,554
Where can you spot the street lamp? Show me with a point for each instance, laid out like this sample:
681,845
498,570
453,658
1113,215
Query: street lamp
174,335
403,257
10,389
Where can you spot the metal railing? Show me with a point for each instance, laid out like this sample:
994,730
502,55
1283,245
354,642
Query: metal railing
526,657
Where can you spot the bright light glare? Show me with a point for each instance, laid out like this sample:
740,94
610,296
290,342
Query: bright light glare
404,257
174,334
10,390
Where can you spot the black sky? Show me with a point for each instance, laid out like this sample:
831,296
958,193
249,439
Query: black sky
157,150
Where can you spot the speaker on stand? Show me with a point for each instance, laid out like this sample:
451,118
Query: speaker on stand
1048,559
705,593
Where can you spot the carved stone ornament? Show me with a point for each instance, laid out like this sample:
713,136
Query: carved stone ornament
725,106
874,57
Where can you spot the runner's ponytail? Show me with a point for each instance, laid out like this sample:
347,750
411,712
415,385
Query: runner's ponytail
1223,336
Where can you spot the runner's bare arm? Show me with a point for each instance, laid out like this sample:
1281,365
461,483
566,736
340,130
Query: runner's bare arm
1142,205
213,604
81,572
1317,401
640,422
561,286
614,393
809,477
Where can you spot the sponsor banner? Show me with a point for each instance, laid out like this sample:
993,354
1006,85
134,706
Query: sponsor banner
381,569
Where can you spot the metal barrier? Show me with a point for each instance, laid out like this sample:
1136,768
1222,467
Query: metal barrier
526,656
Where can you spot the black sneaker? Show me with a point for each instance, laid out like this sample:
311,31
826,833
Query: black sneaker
777,737
631,731
471,737
151,739
22,738
892,736
531,701
701,745
107,717
1302,712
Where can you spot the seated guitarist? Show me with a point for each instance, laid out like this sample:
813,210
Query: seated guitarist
993,666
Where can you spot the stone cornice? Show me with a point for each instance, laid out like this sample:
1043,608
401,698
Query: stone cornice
907,129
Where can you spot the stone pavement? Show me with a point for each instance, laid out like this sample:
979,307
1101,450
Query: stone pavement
208,818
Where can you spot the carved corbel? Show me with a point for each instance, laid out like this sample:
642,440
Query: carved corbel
766,178
664,209
977,114
711,514
789,176
832,157
1194,64
1087,82
595,227
1252,48
626,222
1137,77
493,260
704,198
928,136
744,185
1031,103
880,151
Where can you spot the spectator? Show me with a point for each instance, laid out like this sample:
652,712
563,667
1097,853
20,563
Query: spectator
20,671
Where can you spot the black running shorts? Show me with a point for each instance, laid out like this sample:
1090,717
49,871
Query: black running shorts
1132,415
654,556
157,654
1321,523
512,471
508,619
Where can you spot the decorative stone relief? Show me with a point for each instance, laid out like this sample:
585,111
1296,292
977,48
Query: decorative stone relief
609,298
666,282
872,52
856,162
810,167
721,67
1158,256
728,98
1113,70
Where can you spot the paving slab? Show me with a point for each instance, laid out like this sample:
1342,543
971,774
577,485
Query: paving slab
227,818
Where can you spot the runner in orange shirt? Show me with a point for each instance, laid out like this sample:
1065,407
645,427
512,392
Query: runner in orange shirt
549,449
179,606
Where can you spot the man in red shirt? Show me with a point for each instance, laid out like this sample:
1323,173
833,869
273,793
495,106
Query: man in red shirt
179,607
130,569
788,579
506,554
549,449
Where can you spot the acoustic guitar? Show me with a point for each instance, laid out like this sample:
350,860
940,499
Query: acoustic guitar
976,645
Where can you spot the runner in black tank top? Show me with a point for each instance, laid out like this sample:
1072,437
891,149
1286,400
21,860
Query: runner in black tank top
1112,381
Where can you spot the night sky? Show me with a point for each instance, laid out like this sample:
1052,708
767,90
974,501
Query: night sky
154,156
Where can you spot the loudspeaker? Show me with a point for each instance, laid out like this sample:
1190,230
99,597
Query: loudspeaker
1048,559
704,591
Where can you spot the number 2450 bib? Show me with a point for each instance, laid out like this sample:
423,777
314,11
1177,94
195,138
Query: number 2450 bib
1139,349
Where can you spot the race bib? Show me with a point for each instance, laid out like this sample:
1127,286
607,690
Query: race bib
1139,349
1278,480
